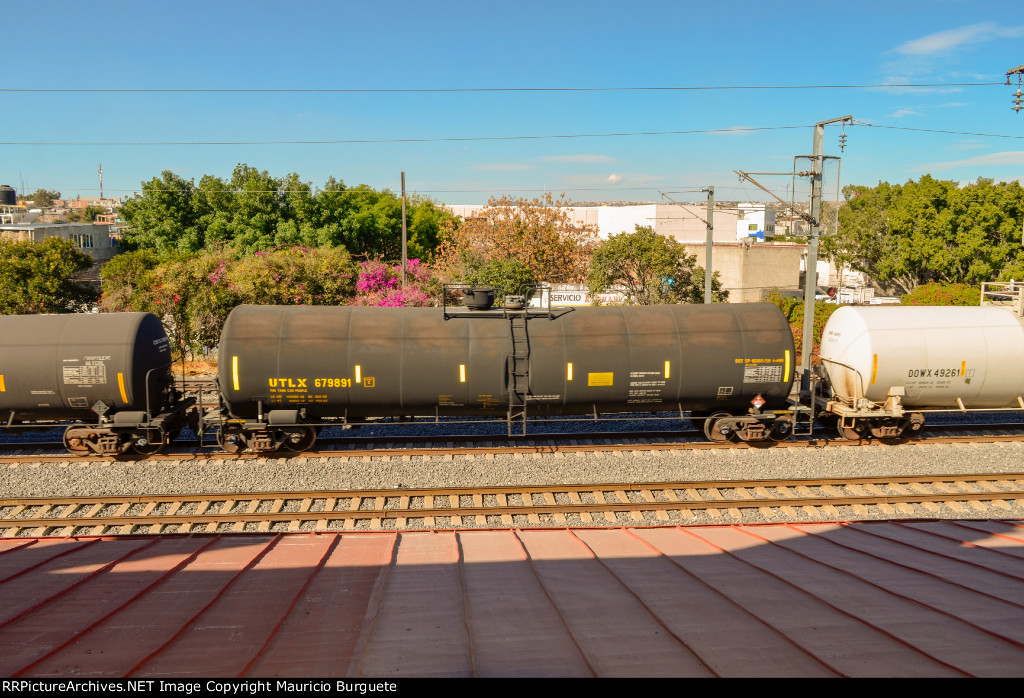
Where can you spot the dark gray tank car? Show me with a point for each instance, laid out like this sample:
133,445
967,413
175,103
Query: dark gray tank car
108,373
283,367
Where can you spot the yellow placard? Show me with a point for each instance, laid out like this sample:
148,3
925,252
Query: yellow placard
600,379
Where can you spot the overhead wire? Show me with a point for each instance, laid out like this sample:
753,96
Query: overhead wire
736,129
400,90
858,122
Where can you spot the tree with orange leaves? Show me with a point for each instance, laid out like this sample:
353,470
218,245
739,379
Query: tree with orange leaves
538,234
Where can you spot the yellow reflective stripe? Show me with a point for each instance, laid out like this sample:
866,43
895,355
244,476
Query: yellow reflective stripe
963,368
3,388
568,371
359,374
785,378
668,369
234,372
462,373
874,369
120,384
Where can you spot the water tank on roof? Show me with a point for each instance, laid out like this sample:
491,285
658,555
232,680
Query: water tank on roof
8,197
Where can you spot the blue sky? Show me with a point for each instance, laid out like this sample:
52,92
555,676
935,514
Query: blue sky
484,138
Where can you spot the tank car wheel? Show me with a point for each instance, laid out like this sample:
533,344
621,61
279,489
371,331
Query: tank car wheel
780,430
75,441
146,443
231,438
854,432
299,438
711,430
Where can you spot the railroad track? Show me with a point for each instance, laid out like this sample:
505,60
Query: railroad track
970,496
402,446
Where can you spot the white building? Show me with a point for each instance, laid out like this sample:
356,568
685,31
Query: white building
755,222
93,239
683,222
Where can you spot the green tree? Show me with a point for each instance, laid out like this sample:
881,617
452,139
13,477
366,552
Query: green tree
193,293
40,277
539,233
42,198
793,309
507,276
255,211
650,269
127,280
930,230
164,218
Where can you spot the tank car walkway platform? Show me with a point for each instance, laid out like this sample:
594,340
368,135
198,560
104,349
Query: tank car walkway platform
936,598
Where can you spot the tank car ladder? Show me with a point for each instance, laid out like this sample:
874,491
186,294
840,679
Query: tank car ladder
518,369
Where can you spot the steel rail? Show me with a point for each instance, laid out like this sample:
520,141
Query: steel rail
446,448
238,511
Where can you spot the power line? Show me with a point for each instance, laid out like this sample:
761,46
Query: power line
401,140
934,130
351,141
672,88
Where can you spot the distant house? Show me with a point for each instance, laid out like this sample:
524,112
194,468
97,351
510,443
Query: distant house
93,239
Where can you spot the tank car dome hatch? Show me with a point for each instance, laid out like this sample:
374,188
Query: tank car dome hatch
941,357
481,298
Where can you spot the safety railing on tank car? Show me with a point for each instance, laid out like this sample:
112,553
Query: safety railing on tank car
476,305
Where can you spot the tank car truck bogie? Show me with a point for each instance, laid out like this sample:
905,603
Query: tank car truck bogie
280,430
770,427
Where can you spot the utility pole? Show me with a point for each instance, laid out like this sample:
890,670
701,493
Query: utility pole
101,182
405,253
811,273
709,222
711,241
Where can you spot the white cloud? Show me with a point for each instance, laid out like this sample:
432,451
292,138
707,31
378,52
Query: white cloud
502,167
966,145
613,179
950,39
1012,157
581,158
905,111
935,57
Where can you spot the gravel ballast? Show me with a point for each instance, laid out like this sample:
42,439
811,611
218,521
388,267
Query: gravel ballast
87,477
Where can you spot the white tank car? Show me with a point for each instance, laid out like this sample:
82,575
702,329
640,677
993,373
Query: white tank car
941,357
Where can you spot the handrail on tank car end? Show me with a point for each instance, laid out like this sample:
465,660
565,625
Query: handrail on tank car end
149,416
855,399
